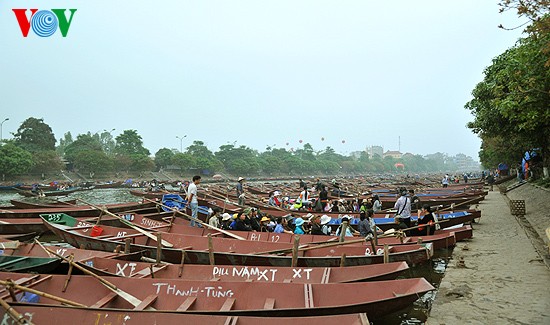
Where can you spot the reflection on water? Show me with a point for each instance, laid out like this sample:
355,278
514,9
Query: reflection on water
417,314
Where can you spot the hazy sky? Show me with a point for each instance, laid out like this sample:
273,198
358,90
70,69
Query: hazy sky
257,72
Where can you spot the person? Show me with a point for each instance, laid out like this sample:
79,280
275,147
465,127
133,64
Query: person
325,228
302,184
316,228
299,223
376,204
323,197
254,219
274,199
193,201
266,225
214,220
341,207
349,230
365,206
415,201
281,226
403,208
304,198
364,226
319,185
240,190
465,178
226,221
240,223
445,180
424,220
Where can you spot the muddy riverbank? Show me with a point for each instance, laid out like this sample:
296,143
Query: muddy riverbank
498,277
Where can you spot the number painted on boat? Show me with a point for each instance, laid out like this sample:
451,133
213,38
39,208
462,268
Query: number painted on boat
367,251
54,217
111,319
275,238
83,224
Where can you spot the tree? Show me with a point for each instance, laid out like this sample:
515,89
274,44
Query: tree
130,143
92,161
512,101
34,135
46,161
163,157
83,142
64,142
14,160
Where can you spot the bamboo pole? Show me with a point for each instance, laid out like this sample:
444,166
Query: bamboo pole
129,224
71,260
294,261
16,316
211,250
12,284
182,263
159,247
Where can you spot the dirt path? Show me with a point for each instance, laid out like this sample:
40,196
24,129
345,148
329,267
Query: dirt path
497,277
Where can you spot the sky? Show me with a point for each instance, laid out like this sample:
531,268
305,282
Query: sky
345,74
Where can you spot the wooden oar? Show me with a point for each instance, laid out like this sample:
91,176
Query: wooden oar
123,294
129,224
200,222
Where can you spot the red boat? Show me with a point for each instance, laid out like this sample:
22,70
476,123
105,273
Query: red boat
226,251
194,272
59,314
229,298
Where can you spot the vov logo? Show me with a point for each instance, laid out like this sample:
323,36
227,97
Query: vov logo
44,23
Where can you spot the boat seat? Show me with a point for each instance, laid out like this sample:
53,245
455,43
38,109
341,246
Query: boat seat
147,271
269,303
308,295
231,320
228,304
287,280
186,304
147,302
105,300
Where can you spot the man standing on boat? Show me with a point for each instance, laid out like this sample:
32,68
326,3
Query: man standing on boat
403,208
193,201
240,191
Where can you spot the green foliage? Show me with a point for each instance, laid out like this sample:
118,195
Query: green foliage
14,160
64,142
130,143
141,162
34,135
92,161
163,157
46,161
511,105
83,142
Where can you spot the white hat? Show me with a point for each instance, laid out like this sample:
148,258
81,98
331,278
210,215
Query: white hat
240,179
226,216
325,219
276,193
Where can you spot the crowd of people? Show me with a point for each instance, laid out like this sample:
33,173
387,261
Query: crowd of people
315,222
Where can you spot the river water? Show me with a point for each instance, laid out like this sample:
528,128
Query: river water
417,314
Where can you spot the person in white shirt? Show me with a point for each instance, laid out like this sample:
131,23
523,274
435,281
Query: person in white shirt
192,200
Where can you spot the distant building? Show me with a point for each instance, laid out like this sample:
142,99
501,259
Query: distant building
393,154
375,150
465,163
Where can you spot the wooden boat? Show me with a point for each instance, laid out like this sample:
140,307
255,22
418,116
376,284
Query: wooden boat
108,185
10,263
77,211
38,205
59,314
230,298
132,269
225,251
48,193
